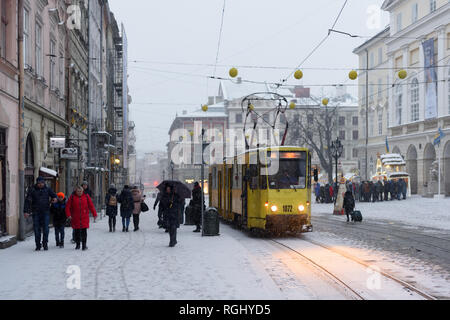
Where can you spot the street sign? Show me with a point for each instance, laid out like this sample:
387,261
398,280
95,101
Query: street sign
57,143
69,153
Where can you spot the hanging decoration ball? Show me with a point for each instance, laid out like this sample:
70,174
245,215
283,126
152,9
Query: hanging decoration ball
233,72
292,105
402,74
325,101
251,107
353,75
298,74
205,108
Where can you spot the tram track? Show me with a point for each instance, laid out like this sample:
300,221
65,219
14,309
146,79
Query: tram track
400,234
354,259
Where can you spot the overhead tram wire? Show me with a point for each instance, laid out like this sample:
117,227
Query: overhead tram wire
318,46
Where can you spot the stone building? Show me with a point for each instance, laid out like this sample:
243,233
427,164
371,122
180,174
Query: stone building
415,108
9,119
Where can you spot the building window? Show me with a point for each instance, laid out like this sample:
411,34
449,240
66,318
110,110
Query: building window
52,65
371,124
3,28
26,36
355,121
398,103
448,89
342,135
266,117
432,5
380,91
414,100
371,92
61,73
399,22
415,12
39,56
371,60
355,153
380,55
342,121
380,123
355,134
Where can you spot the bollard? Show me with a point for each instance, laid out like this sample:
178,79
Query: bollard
211,222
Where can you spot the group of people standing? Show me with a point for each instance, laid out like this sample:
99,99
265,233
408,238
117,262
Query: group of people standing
325,194
368,191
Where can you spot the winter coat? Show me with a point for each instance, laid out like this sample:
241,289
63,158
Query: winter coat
317,190
78,208
349,202
88,191
111,211
197,204
170,205
38,200
58,211
137,200
126,203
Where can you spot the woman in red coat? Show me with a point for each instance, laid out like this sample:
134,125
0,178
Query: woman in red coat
77,210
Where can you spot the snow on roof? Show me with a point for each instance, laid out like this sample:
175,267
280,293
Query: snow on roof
49,171
392,159
214,111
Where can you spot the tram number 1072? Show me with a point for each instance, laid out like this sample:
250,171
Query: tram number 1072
288,209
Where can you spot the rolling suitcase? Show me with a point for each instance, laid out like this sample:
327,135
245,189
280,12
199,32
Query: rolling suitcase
357,216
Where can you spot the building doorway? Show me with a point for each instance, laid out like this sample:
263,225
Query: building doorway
429,156
411,168
29,175
2,182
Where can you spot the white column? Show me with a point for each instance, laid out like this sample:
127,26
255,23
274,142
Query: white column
406,118
441,92
390,91
421,79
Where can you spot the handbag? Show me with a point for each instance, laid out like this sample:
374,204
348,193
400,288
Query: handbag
144,207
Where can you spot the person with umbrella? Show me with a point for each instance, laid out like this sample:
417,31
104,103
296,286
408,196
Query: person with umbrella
197,206
170,202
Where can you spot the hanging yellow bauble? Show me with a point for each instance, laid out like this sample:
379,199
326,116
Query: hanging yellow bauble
292,105
325,101
233,72
353,75
402,74
298,74
205,108
251,107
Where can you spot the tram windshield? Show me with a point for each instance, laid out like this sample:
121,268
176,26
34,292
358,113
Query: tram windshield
292,170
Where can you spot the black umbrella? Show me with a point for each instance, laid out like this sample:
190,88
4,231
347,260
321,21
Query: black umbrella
181,189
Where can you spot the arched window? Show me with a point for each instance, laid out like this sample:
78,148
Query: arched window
398,104
414,91
29,153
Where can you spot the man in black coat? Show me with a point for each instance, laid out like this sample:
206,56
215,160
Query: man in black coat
126,207
197,206
160,210
349,204
170,202
387,189
37,205
111,201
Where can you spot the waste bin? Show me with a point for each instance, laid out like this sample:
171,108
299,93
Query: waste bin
189,221
211,223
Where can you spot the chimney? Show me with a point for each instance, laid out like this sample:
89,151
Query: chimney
211,101
239,80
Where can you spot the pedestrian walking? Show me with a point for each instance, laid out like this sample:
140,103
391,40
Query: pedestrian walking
58,212
317,192
197,206
404,188
170,202
111,207
77,210
160,210
126,207
349,204
86,189
37,205
322,194
137,201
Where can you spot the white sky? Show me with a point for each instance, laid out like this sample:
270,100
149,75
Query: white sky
277,33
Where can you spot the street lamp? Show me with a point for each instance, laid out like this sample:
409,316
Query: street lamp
336,151
172,166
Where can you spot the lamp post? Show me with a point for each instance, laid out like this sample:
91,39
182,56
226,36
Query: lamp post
336,150
204,146
172,166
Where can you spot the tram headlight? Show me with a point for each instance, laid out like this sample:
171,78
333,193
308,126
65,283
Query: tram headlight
274,208
301,208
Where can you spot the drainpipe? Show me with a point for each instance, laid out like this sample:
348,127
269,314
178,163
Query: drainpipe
20,58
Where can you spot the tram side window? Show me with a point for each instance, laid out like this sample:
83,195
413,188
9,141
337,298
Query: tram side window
253,175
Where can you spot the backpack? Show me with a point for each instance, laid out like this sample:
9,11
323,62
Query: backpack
112,201
357,216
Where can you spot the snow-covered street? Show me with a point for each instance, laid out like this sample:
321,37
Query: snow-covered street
140,265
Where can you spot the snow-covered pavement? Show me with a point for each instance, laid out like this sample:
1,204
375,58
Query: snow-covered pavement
140,265
415,211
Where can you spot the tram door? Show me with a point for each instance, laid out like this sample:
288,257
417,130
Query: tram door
230,192
219,191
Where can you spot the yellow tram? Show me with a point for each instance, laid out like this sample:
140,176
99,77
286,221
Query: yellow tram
264,189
